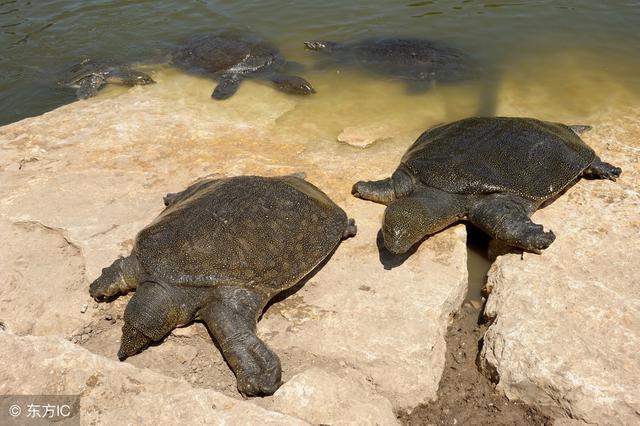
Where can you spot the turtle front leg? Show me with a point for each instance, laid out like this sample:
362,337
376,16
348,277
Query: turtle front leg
226,88
506,218
231,318
602,170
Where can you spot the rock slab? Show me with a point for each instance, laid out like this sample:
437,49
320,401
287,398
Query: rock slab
88,176
566,328
113,393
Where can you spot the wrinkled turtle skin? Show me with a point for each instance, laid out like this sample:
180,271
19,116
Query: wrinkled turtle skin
89,76
218,253
420,63
493,172
231,58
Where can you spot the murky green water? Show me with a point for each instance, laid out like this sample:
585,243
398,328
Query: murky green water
578,48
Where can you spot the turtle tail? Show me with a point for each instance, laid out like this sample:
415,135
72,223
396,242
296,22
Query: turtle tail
386,190
119,278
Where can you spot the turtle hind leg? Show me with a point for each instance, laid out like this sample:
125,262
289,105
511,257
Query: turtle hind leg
226,88
599,169
120,277
291,84
89,86
231,318
506,218
351,229
174,197
579,129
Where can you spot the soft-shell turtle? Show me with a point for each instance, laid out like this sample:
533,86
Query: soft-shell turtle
494,172
89,76
218,253
231,58
420,63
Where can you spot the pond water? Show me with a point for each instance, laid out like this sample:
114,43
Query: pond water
569,58
581,50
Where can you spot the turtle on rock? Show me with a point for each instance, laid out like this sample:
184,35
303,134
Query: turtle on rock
493,172
231,58
418,62
219,252
89,76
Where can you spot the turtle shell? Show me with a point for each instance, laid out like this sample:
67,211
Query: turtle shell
259,232
532,158
224,53
90,67
411,59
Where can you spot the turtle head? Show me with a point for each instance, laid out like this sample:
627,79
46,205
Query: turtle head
293,84
135,78
153,311
400,229
132,342
409,219
323,46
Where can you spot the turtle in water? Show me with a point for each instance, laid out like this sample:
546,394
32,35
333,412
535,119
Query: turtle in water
420,63
89,76
219,252
231,58
493,172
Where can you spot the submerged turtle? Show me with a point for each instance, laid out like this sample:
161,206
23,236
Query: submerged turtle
419,62
89,76
231,59
219,252
492,172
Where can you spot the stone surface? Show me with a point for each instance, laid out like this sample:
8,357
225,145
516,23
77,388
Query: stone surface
324,398
38,263
365,136
114,393
566,329
93,173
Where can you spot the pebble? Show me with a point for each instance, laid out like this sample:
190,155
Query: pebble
108,317
84,308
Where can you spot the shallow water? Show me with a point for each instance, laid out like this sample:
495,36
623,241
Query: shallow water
567,59
582,50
